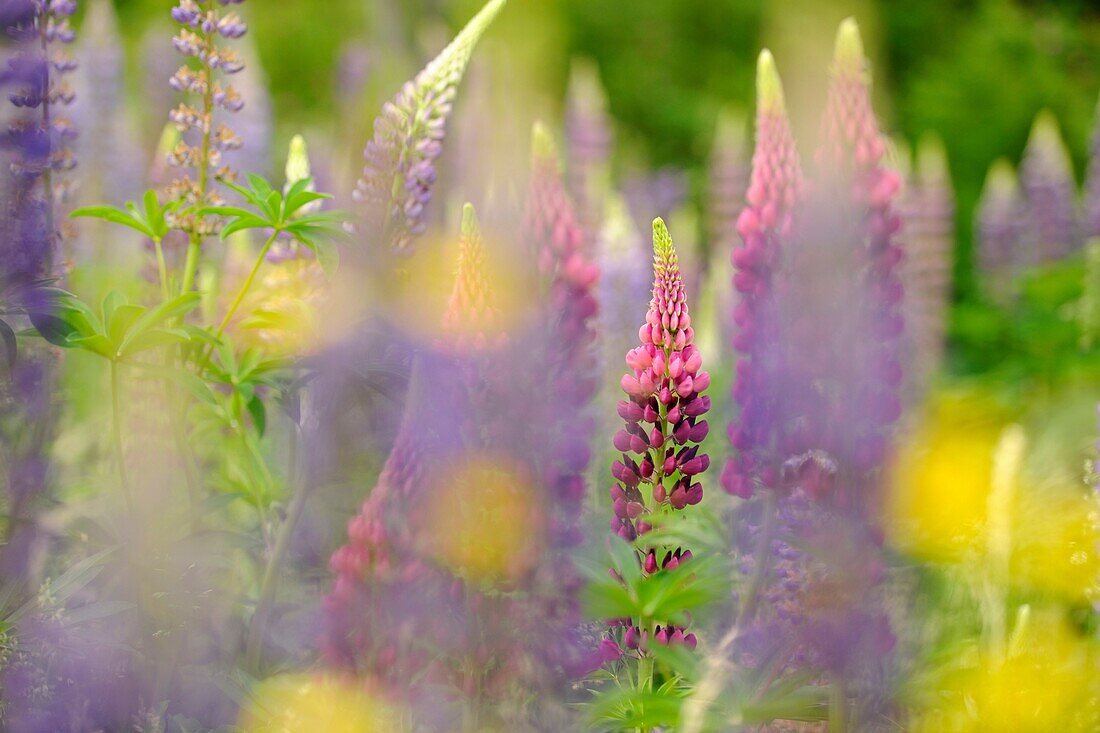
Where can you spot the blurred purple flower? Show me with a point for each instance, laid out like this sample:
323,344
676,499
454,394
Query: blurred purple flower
1001,224
589,139
928,208
1050,192
1090,224
763,226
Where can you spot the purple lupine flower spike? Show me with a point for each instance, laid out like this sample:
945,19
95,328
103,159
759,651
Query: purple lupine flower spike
930,239
1050,191
854,149
763,226
589,141
400,172
113,164
664,415
1090,225
1000,224
201,36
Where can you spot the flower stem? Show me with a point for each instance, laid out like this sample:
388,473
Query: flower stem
270,581
838,708
116,437
763,556
162,268
246,287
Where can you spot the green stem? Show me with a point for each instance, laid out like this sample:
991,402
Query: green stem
205,358
116,436
838,709
162,268
763,557
247,285
191,264
270,581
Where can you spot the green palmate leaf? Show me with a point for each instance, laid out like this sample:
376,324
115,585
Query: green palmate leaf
327,255
115,216
120,321
240,224
170,310
111,303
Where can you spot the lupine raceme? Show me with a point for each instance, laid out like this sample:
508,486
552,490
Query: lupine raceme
663,412
764,227
1000,224
1050,192
397,181
1090,223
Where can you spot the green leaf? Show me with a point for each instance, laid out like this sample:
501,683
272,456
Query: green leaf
154,338
115,216
97,343
328,256
111,303
259,414
120,321
169,310
249,221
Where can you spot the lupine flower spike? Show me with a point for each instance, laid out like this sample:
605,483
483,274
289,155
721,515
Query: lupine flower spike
204,140
472,318
397,180
41,138
926,272
764,226
1050,191
589,137
1090,225
855,148
1000,224
660,463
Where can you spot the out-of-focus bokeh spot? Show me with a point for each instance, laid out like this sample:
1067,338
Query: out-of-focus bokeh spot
941,478
419,297
284,314
1047,682
483,520
314,704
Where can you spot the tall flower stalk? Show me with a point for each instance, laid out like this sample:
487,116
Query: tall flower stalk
1050,191
1090,221
397,181
764,227
589,139
660,442
1000,224
855,149
203,28
929,208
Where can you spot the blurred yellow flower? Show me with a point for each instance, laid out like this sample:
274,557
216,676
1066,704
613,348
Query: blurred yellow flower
483,521
303,703
1046,684
940,482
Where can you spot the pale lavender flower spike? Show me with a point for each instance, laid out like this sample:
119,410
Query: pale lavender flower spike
1050,191
400,168
1090,224
1000,225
